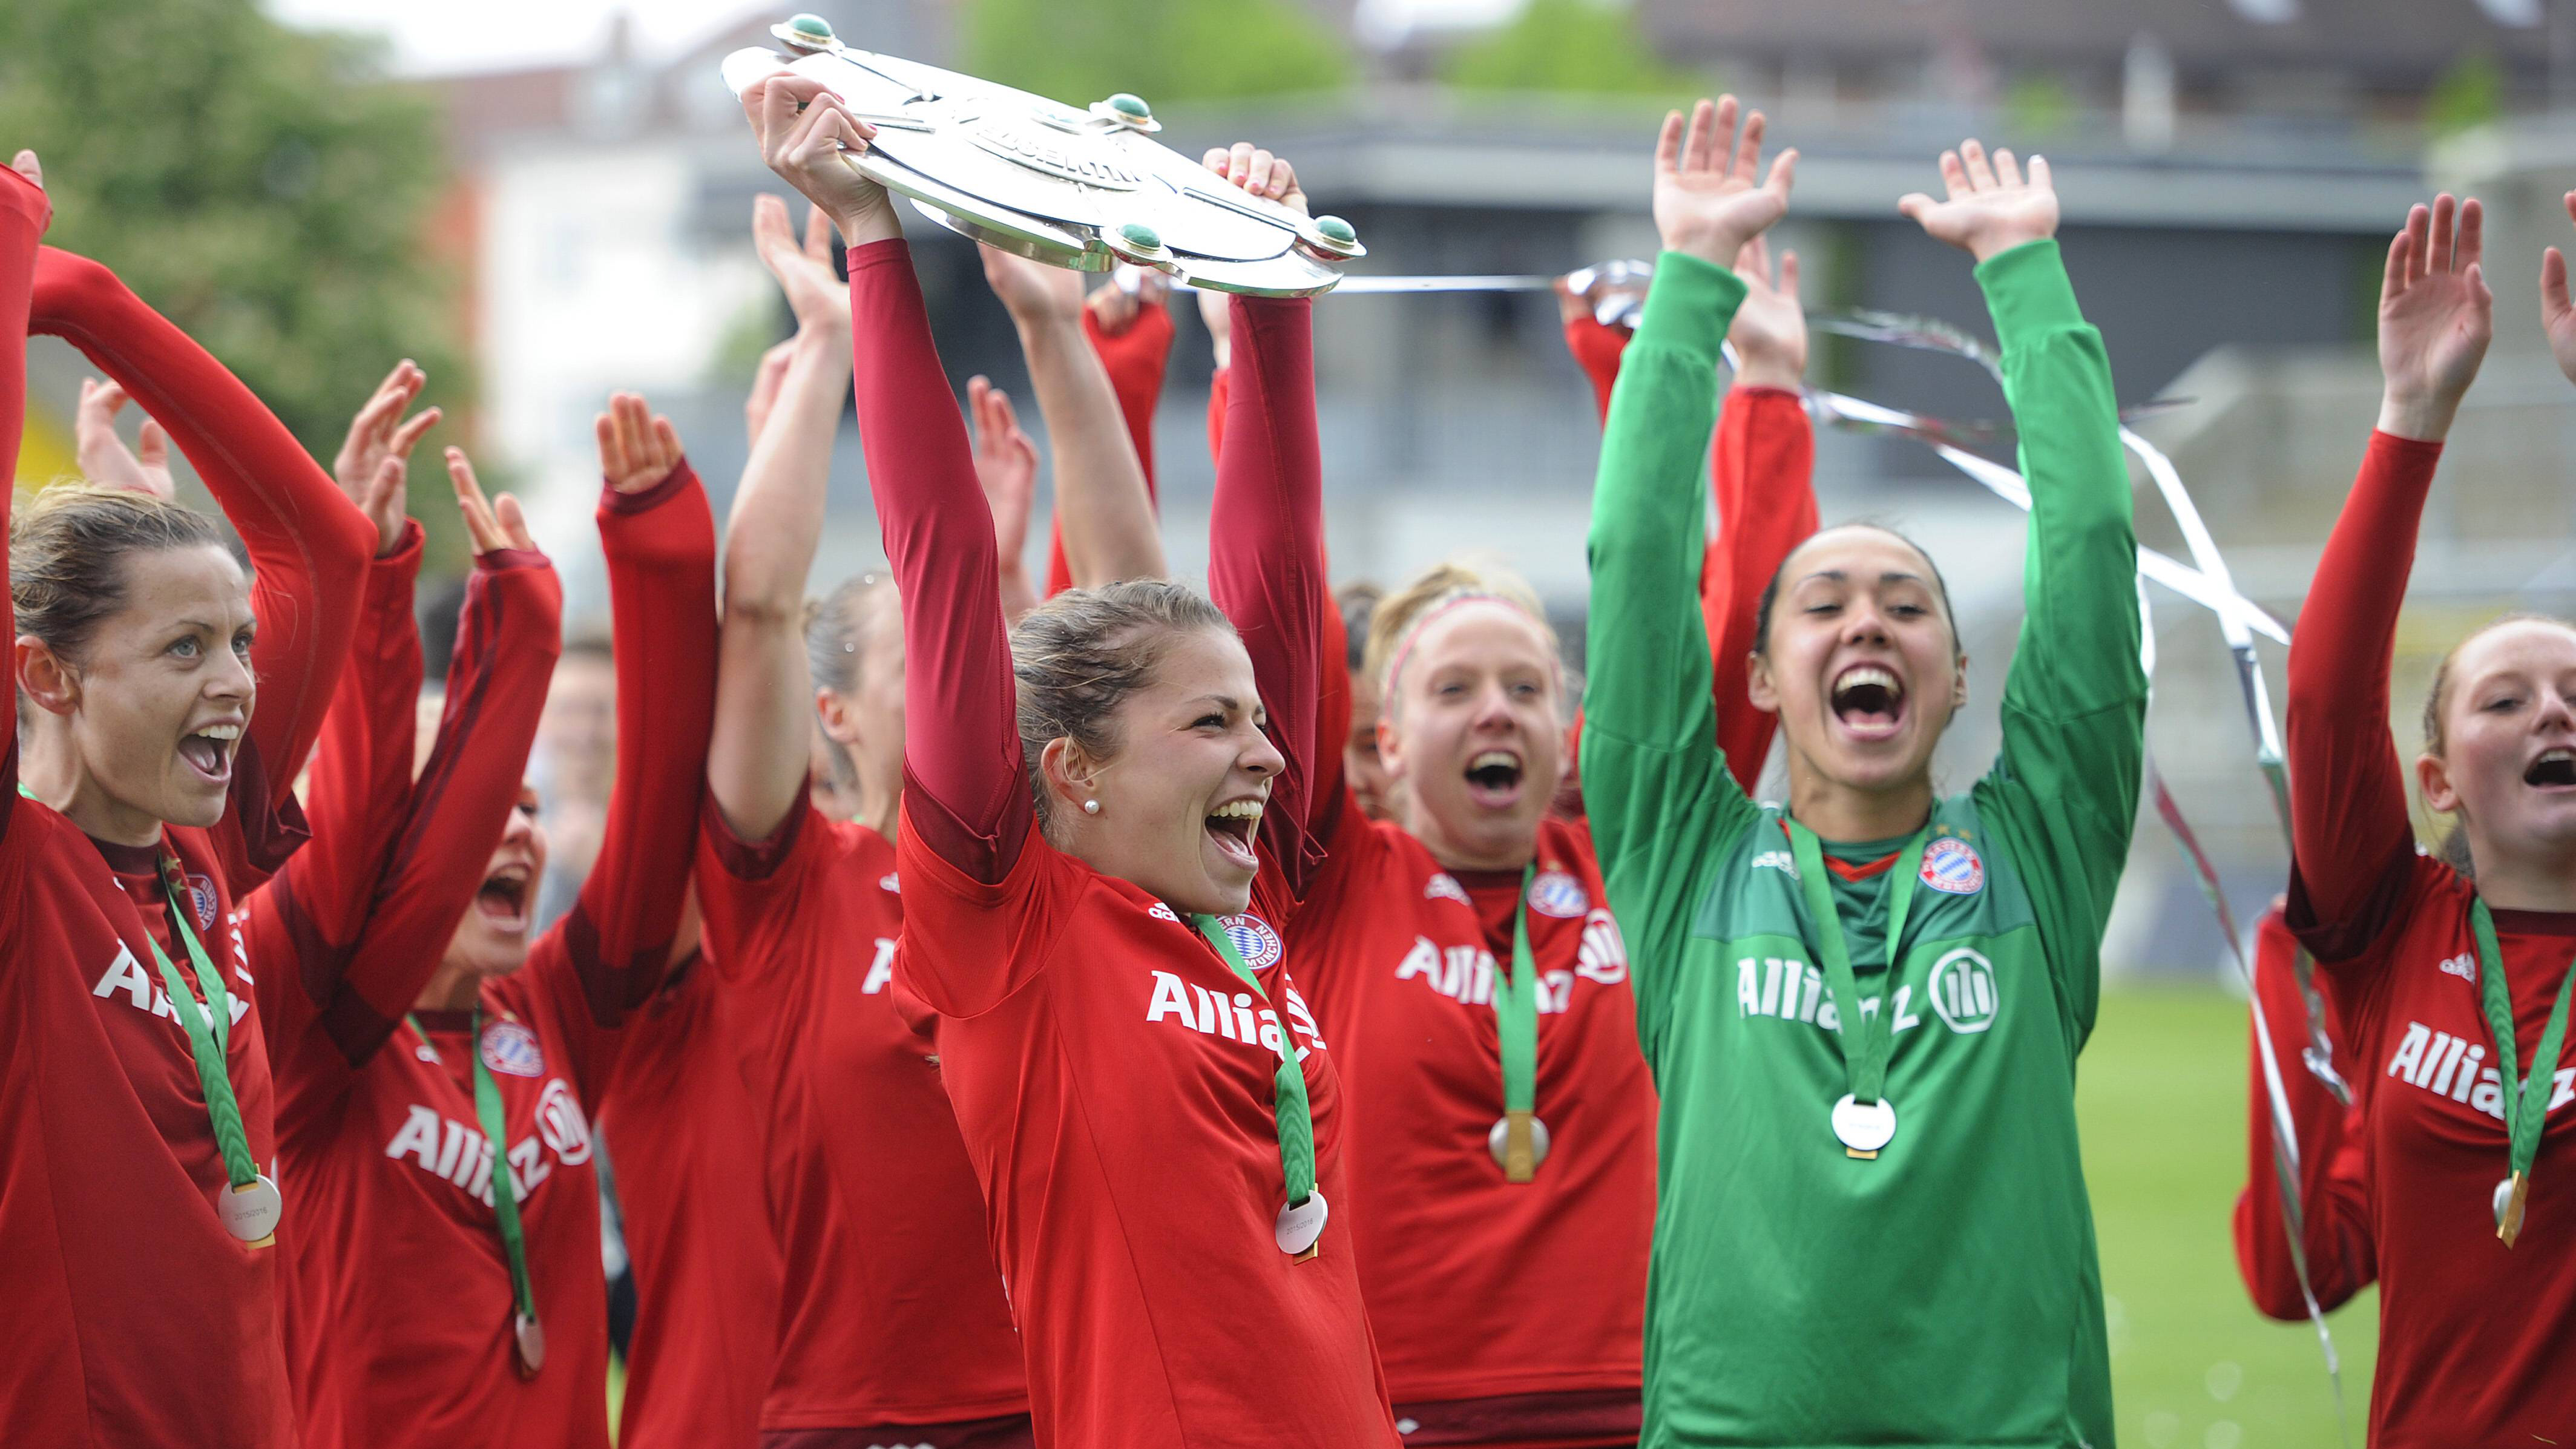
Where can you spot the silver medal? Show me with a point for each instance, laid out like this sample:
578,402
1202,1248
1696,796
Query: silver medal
1302,1223
250,1212
1864,1129
1080,188
531,1339
1498,1140
2503,1197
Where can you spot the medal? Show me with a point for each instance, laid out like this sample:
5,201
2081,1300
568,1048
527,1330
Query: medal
2525,1098
1085,189
1863,1121
250,1213
530,1337
250,1205
1301,1223
1532,1146
1518,1140
1864,1127
1301,1226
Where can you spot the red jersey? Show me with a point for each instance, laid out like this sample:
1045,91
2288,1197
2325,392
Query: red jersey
1109,1072
2477,1341
135,1318
2334,1183
894,1316
684,1129
401,1269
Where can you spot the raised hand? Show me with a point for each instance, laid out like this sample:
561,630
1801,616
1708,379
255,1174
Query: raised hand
374,466
638,447
25,164
820,299
1258,173
1992,207
806,135
765,383
103,456
488,525
1770,329
1116,308
2556,313
1034,293
1707,202
2435,318
1006,463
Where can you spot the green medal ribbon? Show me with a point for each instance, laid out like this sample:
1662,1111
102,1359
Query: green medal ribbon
505,1195
1296,1117
2526,1101
209,1029
1516,1023
1866,1040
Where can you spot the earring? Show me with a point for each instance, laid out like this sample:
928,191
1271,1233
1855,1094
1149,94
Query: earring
1090,807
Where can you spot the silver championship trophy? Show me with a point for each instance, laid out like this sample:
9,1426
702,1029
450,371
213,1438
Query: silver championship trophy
1085,189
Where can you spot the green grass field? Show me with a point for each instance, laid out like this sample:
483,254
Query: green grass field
2193,1366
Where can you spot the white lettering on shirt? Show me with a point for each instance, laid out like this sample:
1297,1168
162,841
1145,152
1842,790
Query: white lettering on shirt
459,1153
2454,1067
880,970
1212,1013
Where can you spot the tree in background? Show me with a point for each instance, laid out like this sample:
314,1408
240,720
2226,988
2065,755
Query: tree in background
1577,46
1078,51
262,186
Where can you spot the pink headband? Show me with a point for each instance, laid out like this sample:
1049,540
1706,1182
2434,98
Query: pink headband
1413,631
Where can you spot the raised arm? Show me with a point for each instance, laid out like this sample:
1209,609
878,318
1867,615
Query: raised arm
1762,469
1132,332
661,546
2348,819
1104,513
966,792
1650,757
24,212
1266,524
309,546
764,694
362,958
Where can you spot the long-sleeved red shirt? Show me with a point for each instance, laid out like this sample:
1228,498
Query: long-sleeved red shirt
409,1286
135,1318
2333,1167
2477,1341
1093,1044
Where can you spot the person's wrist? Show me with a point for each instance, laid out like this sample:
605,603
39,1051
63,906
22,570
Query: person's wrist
2424,419
1761,371
870,221
1717,248
1985,247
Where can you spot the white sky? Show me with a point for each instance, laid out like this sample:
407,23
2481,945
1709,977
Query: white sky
431,36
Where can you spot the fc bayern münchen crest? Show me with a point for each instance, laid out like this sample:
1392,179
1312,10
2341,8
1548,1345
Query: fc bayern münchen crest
1253,939
1085,189
1950,864
512,1048
201,895
1554,893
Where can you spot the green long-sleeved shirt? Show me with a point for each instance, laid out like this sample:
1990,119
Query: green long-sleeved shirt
1946,1293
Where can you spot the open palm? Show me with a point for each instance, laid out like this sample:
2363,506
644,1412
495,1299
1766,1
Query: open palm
2557,313
1708,202
2435,312
1990,206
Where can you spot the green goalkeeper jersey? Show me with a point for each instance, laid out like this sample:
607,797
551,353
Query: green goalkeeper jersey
1946,1293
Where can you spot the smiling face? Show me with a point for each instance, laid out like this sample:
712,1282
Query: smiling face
1861,661
152,705
492,937
1473,734
2504,759
1184,780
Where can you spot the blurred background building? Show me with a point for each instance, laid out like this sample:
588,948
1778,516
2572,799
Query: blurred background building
2230,169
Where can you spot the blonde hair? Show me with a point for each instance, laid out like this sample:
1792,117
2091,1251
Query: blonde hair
1400,616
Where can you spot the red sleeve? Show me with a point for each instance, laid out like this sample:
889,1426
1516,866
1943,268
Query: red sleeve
309,546
24,212
743,884
362,958
1764,465
965,792
1597,350
2335,1222
1219,392
1135,360
1266,549
360,784
2352,845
